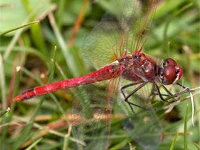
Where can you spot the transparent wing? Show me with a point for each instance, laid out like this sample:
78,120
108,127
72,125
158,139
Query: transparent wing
93,111
141,27
123,29
143,126
101,45
145,129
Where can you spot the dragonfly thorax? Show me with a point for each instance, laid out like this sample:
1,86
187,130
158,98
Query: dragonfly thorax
138,68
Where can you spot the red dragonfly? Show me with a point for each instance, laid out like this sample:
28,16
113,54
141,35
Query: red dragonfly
131,64
117,44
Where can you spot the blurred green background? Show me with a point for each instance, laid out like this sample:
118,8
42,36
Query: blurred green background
50,51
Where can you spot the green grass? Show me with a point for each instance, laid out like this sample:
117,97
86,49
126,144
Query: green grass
46,53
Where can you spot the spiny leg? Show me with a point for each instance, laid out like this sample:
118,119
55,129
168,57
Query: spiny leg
133,92
154,92
186,89
168,92
159,93
126,86
177,94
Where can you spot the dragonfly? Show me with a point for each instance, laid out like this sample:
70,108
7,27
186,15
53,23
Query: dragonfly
115,47
131,64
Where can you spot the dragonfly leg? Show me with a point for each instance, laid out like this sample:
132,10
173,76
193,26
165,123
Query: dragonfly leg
159,93
186,89
168,92
133,92
126,86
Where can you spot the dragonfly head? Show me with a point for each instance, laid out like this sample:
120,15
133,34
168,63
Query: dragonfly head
170,73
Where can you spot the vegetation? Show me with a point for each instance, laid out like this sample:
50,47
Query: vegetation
41,42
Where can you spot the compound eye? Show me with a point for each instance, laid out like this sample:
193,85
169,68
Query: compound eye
169,62
171,74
